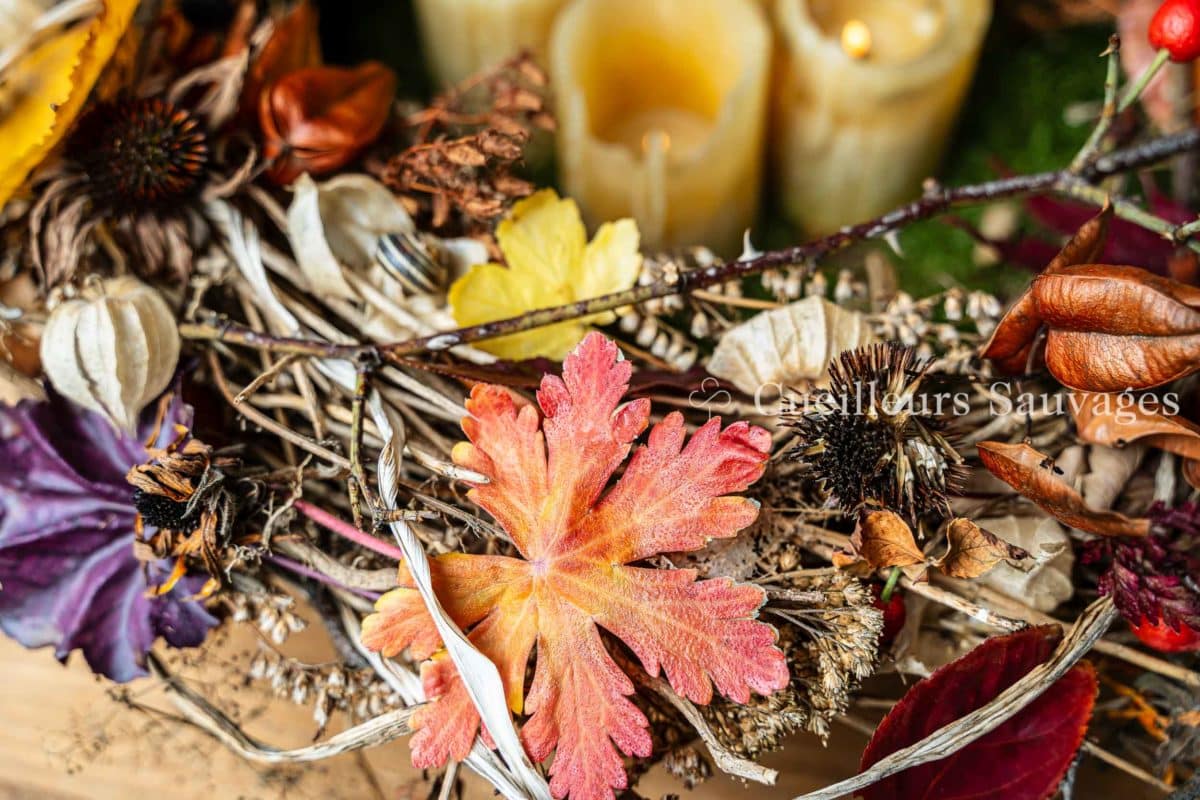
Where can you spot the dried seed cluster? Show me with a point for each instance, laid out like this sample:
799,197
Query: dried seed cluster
272,614
327,688
830,647
140,153
448,170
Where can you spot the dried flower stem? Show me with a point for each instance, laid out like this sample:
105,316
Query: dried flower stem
725,760
210,719
347,530
937,200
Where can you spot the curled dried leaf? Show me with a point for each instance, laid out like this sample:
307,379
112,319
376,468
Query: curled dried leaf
972,550
1032,474
294,44
1012,341
1104,419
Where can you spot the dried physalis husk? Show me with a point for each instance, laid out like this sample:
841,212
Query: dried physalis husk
113,349
787,345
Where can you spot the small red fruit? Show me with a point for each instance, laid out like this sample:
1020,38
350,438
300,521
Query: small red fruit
1162,636
1176,28
893,615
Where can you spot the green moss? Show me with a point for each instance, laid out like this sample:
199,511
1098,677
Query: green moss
1014,120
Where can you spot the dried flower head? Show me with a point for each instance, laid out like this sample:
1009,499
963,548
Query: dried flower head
140,153
183,492
1152,579
873,439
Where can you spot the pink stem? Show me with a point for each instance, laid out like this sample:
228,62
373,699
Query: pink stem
347,530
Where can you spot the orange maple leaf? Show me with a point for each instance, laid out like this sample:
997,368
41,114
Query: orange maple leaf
546,481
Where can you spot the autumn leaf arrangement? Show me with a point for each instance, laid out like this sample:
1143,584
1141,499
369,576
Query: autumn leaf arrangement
281,348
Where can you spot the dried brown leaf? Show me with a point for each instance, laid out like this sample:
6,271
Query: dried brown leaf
1100,420
972,551
1031,474
884,540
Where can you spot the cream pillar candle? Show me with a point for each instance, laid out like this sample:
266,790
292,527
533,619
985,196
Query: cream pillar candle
462,37
661,114
865,100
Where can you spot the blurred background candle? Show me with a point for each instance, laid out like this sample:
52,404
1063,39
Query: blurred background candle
661,114
865,100
462,37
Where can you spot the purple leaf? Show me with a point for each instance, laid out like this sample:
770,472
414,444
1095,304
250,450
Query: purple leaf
68,574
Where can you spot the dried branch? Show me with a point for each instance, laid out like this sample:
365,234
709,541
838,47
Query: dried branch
937,199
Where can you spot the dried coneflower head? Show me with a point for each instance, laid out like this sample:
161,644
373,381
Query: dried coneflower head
140,153
874,439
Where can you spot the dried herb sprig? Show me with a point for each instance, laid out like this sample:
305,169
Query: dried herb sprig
460,169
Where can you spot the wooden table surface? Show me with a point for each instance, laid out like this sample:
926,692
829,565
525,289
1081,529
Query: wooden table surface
64,736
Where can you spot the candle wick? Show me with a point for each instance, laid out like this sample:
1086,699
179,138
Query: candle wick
656,140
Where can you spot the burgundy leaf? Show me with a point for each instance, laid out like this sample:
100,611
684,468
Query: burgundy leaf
1023,759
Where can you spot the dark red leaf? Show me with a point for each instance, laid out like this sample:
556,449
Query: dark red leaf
1023,759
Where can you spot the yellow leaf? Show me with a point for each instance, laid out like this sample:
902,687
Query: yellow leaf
550,263
44,91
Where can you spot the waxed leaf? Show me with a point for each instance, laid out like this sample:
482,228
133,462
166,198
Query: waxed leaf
547,477
549,262
1032,475
1023,759
973,551
43,92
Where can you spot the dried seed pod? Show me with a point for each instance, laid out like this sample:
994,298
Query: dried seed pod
317,119
113,349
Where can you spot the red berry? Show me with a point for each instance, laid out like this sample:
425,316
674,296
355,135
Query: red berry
893,614
1176,27
1161,636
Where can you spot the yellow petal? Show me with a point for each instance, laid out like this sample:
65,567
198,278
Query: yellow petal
549,264
552,341
46,89
611,262
543,239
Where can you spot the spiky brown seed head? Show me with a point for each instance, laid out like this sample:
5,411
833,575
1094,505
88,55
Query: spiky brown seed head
873,439
142,153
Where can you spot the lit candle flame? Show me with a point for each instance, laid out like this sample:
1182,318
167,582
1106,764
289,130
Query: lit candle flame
856,39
